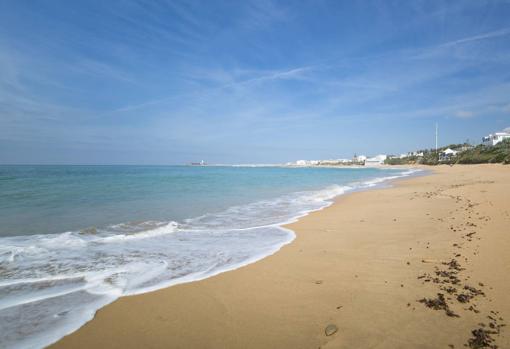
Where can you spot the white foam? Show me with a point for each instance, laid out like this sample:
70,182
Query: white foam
169,228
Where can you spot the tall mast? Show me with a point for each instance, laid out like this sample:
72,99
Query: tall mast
436,137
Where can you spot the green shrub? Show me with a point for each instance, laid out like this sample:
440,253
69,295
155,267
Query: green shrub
500,153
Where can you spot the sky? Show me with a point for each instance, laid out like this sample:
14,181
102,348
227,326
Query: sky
170,82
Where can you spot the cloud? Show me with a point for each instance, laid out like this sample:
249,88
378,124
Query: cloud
286,74
218,80
489,35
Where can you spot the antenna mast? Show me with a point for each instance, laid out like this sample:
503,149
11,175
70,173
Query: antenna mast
436,137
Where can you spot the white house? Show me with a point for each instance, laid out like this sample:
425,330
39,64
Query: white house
450,152
447,154
415,153
376,160
495,138
302,163
358,158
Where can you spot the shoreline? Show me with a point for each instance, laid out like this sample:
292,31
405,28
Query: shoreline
286,289
381,183
311,201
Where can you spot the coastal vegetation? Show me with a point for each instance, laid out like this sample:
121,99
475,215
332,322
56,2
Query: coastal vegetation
500,153
466,154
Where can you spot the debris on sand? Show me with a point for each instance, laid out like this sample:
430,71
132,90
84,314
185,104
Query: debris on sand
464,298
438,303
453,264
482,339
474,291
448,276
473,309
450,290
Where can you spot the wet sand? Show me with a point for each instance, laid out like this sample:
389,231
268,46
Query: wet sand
423,264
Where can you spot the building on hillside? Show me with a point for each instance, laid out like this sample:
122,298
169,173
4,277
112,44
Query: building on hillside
415,153
376,160
447,154
358,159
495,138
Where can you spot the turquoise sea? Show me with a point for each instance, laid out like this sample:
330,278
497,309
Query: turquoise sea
75,238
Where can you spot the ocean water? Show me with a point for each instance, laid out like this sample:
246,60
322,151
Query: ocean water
75,238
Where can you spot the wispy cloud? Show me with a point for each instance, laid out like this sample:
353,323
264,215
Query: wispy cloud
479,37
284,74
223,80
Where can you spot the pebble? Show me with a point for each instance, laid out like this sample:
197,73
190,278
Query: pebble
330,330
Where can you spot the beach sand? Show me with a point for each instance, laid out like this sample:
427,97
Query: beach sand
362,265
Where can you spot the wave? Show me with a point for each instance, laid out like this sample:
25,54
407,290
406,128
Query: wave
60,280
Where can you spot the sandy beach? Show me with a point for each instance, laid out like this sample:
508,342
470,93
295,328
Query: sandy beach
422,264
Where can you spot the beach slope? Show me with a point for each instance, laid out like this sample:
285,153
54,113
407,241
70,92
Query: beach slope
423,264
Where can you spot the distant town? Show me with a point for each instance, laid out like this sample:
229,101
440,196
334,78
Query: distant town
494,148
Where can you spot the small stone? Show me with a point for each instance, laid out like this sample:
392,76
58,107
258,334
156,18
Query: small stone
330,330
318,282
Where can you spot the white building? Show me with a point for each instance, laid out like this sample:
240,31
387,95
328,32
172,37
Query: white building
495,138
358,158
415,153
376,160
447,154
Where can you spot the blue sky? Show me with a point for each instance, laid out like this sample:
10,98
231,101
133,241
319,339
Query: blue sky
168,82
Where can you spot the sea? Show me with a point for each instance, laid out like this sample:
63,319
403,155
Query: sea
76,238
